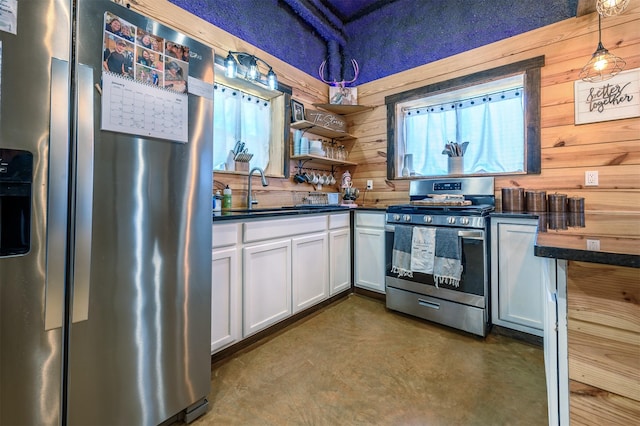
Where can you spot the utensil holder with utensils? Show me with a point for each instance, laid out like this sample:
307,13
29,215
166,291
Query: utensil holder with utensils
241,161
455,165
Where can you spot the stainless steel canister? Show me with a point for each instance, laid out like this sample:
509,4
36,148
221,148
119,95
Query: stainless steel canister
536,200
512,199
557,203
575,204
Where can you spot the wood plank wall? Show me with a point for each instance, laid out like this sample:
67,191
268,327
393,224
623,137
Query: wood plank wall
612,148
603,313
306,89
568,150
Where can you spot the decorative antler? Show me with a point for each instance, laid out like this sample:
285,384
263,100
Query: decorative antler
342,83
356,71
321,72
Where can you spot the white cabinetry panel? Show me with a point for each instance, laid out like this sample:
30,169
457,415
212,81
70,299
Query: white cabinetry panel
225,299
517,284
266,284
369,251
339,260
310,270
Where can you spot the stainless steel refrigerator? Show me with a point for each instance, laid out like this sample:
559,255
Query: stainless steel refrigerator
105,233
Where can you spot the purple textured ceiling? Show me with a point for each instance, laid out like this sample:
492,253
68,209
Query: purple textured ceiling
384,36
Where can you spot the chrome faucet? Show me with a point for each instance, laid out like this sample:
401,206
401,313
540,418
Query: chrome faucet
250,200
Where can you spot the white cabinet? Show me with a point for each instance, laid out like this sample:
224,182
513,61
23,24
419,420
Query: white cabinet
517,275
267,270
226,294
282,258
309,270
266,284
339,253
369,242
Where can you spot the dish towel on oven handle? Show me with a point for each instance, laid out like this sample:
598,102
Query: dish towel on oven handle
447,265
423,246
401,253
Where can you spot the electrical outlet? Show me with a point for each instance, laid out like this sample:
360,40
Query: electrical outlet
593,245
591,178
369,184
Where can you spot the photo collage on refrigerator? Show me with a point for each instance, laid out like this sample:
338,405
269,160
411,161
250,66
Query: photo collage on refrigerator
131,52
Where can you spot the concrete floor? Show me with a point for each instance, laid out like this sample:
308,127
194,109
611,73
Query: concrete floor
355,363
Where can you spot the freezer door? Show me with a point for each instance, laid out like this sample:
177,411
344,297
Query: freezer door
34,117
139,348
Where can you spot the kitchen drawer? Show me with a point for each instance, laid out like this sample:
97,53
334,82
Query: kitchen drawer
277,228
225,235
339,220
370,220
467,318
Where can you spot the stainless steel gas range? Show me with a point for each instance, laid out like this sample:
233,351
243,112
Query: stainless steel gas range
437,252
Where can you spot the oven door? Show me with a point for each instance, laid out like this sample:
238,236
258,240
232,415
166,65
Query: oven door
474,282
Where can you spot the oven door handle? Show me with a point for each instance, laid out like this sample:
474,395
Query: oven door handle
471,235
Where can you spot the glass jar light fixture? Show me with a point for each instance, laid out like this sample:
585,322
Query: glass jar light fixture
603,65
611,7
249,65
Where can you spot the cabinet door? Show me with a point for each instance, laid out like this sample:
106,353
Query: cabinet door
266,284
520,286
310,265
339,260
369,259
225,299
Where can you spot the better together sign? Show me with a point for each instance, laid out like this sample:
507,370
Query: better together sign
613,99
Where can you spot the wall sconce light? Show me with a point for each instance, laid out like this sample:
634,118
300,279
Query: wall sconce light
602,65
248,64
611,7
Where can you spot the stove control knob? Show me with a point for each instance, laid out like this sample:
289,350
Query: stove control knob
451,220
407,218
427,219
396,217
464,221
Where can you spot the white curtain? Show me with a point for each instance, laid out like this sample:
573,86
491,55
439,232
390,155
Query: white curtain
255,129
238,116
492,124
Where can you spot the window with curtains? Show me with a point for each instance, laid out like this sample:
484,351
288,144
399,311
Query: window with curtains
492,123
484,123
241,117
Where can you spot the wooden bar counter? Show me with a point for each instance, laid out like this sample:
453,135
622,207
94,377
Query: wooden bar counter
603,313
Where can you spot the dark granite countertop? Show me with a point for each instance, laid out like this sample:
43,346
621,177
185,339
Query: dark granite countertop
271,212
611,238
261,213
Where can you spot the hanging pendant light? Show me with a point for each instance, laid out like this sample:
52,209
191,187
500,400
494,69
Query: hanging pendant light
602,65
611,7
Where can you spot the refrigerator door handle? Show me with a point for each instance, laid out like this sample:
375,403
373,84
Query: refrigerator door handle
84,195
58,183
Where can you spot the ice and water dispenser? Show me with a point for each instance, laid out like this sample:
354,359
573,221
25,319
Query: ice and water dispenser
16,176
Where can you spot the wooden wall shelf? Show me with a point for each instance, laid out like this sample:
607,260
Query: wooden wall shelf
323,160
308,126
